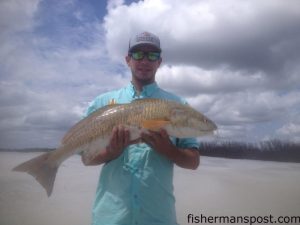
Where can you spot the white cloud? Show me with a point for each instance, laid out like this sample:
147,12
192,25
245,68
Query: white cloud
237,62
45,87
290,131
44,94
232,95
191,80
16,15
210,34
111,4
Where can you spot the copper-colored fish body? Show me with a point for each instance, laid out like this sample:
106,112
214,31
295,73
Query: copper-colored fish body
92,133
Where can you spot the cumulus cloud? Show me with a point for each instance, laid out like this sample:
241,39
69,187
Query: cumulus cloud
289,131
249,35
46,84
191,80
237,62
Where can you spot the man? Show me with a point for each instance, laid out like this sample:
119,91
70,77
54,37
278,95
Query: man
136,181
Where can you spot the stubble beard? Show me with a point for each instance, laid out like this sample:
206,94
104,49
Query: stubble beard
144,79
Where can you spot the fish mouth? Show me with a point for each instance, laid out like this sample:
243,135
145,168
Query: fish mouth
210,129
214,126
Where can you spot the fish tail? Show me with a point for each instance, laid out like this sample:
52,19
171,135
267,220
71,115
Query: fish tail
41,169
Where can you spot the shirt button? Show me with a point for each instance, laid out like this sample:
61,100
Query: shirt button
135,196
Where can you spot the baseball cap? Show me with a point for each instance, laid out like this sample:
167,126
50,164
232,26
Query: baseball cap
144,38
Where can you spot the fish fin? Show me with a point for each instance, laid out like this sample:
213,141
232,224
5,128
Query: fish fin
112,102
154,125
40,168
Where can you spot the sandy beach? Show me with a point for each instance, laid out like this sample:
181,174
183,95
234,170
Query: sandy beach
219,187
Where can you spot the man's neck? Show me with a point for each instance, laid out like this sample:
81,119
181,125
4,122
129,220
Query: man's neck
139,85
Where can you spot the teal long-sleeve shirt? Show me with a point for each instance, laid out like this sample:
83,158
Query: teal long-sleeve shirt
137,187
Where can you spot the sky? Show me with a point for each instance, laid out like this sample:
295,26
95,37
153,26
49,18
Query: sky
236,61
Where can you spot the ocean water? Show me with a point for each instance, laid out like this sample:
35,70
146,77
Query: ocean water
219,187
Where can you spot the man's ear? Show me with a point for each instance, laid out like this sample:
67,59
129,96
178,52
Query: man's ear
159,61
127,59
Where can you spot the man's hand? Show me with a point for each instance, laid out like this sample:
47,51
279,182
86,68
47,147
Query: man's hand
119,140
160,142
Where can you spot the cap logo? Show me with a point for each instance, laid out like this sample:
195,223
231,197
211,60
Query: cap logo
144,38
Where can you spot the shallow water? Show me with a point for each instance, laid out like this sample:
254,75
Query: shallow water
219,187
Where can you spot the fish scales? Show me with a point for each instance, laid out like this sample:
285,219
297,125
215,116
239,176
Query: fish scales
94,131
155,110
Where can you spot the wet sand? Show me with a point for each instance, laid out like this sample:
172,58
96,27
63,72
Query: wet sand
219,187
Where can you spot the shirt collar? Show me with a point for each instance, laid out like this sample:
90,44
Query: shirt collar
147,91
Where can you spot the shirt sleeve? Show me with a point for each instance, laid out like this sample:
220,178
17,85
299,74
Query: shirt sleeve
187,143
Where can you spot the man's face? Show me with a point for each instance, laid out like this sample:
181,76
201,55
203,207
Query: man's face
143,70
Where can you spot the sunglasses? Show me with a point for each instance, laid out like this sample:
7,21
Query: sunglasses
139,55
